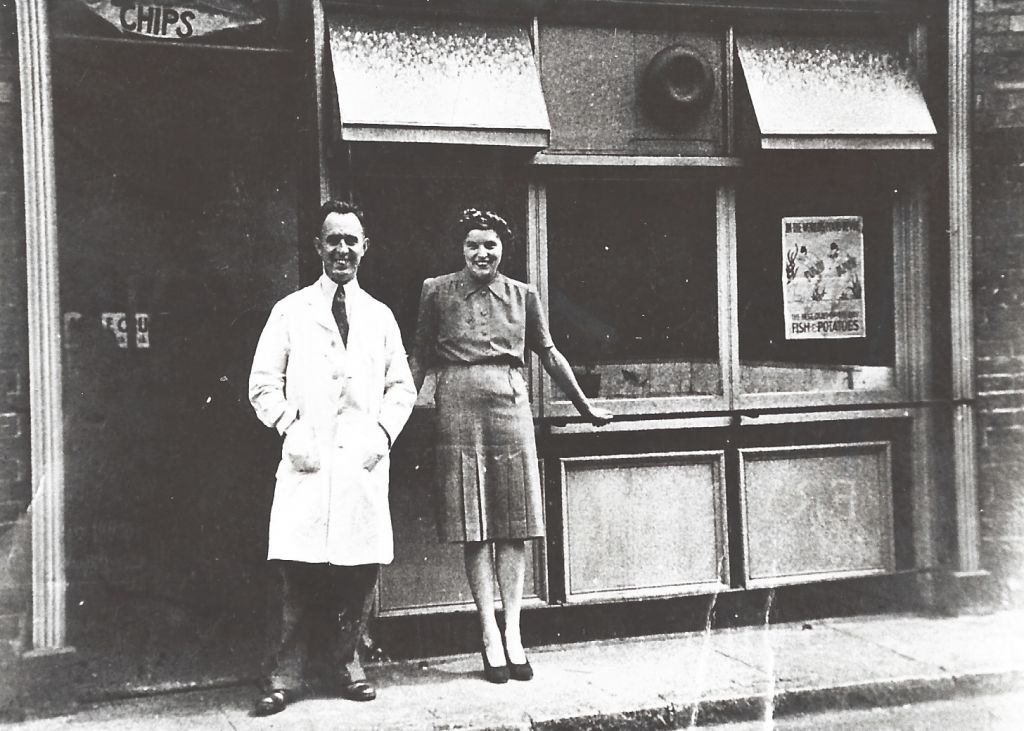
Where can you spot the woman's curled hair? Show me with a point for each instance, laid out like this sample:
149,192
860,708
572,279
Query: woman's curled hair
474,219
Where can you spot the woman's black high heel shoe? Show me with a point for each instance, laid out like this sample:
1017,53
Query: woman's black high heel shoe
498,674
518,672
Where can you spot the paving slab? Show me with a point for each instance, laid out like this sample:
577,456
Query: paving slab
815,655
961,645
678,670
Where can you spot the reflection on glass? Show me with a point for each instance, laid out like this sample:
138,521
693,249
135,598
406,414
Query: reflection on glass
633,286
772,357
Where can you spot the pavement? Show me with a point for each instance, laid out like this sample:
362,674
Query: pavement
752,674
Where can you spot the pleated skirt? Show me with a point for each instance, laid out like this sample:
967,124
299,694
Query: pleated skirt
488,483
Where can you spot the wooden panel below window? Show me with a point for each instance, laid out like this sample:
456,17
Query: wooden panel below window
817,512
427,575
644,525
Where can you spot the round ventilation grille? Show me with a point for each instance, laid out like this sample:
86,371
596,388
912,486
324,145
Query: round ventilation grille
677,82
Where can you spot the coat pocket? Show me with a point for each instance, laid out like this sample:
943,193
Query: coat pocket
359,440
300,448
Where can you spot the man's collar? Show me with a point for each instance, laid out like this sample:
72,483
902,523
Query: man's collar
329,287
470,286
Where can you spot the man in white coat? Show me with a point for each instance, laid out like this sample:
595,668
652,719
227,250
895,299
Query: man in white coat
330,374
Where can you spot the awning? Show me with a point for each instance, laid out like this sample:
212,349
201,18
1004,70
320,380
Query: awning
436,81
817,93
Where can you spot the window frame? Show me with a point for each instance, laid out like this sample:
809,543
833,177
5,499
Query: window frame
912,321
548,395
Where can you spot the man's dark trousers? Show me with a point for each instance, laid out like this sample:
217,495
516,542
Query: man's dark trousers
322,599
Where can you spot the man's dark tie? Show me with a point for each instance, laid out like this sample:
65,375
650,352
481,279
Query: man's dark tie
340,315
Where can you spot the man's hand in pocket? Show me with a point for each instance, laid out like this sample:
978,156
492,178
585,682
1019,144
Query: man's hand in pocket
376,448
300,447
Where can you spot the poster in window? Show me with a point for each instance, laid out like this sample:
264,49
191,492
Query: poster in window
823,277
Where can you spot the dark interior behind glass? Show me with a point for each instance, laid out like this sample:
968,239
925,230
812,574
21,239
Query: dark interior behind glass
410,219
632,283
809,184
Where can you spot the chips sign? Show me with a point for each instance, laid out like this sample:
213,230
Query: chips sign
823,277
176,21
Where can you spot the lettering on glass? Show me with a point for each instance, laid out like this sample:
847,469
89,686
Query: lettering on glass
177,21
117,323
154,20
141,330
823,277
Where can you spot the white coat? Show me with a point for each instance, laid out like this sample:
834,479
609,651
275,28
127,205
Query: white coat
331,402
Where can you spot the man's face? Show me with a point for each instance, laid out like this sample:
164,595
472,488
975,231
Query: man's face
341,246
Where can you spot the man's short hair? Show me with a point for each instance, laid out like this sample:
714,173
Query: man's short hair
337,206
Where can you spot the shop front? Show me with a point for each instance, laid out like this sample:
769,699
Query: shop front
178,171
735,215
729,216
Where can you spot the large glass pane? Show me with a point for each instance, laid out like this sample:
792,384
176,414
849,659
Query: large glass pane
633,286
177,209
410,218
412,198
815,281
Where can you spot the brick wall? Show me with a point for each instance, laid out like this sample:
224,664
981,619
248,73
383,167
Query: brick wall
999,285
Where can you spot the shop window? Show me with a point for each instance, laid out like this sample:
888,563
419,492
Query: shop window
410,217
410,220
412,197
633,286
177,202
815,276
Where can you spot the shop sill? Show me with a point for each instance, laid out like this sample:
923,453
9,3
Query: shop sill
555,159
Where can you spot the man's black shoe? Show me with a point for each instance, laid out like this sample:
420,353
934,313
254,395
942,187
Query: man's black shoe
273,702
358,690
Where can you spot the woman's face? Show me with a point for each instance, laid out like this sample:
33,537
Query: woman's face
482,249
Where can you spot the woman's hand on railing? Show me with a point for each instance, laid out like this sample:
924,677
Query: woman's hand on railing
596,415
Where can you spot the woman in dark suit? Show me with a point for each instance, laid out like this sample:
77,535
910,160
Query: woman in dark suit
474,328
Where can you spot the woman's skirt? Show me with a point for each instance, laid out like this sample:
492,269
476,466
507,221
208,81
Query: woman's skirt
488,483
